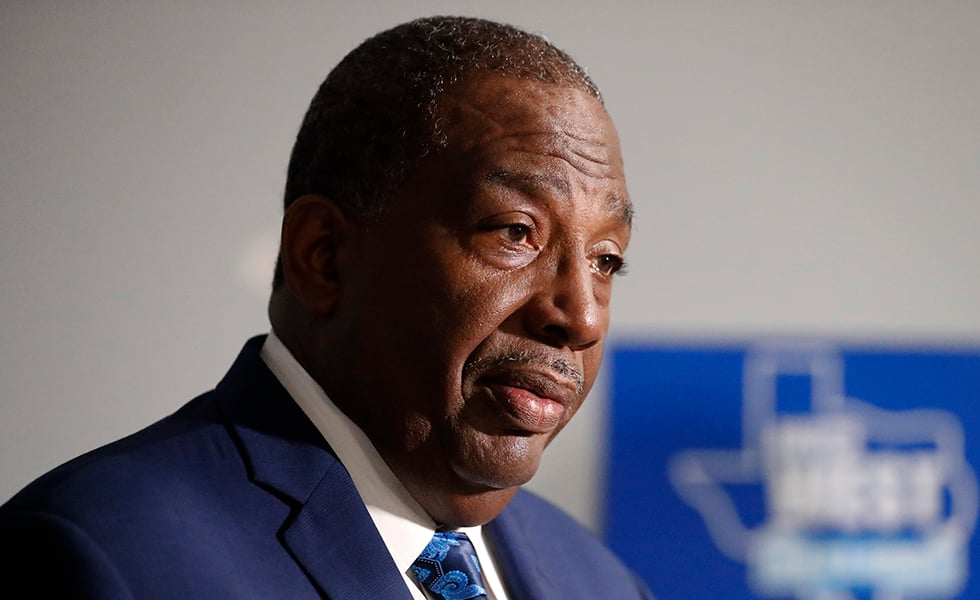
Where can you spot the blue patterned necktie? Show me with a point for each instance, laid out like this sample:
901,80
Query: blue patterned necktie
448,568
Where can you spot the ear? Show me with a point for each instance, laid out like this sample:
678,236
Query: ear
314,229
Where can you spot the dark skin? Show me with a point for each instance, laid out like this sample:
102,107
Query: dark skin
462,330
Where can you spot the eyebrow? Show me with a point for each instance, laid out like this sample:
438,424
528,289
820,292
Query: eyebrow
532,183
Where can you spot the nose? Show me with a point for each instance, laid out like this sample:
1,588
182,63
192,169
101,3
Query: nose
565,310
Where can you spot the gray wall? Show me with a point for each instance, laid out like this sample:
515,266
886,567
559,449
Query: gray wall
799,168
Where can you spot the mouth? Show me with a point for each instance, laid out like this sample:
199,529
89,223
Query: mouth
530,402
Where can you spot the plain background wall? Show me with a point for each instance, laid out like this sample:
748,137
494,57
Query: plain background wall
799,168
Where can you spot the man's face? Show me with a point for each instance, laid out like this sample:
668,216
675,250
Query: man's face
477,305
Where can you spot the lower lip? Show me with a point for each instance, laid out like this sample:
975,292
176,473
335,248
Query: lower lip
529,411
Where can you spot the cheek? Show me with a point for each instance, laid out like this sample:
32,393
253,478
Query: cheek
447,311
591,360
482,299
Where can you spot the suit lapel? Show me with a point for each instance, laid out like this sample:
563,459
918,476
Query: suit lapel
328,531
519,565
354,562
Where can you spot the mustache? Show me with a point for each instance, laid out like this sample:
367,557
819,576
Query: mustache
528,358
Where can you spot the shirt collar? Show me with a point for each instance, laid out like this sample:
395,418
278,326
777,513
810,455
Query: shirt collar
404,525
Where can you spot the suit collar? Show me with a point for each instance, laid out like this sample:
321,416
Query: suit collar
328,532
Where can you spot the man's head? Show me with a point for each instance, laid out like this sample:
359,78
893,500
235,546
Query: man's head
447,277
375,115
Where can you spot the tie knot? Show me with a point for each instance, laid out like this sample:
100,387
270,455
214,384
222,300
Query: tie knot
448,568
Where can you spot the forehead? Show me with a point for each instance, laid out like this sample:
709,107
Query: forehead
536,137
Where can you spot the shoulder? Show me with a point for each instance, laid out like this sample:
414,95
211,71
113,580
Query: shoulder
178,509
533,518
69,531
152,466
531,528
533,511
144,464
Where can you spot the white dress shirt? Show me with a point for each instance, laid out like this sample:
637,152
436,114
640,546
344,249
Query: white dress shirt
404,526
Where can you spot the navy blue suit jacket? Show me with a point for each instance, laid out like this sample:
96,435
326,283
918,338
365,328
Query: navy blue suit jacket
237,495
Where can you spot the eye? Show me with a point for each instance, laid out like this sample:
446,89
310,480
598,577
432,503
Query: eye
609,264
517,233
508,240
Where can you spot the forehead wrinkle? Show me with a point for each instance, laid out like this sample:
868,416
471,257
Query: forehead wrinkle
529,183
567,149
583,165
467,114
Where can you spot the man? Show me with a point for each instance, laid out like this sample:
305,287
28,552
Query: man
455,213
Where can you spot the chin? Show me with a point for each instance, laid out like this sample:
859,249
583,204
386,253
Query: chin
470,510
498,462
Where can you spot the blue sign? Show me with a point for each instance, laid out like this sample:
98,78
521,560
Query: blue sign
796,471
